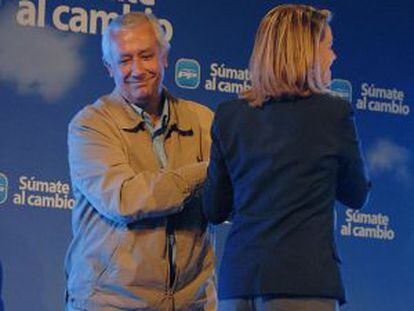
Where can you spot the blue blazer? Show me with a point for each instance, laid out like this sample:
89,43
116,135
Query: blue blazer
277,171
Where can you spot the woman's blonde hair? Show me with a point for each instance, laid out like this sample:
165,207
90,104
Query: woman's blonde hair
285,58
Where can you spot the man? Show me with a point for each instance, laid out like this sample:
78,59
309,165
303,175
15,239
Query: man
137,158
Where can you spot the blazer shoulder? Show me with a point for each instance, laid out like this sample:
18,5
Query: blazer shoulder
333,106
231,106
335,101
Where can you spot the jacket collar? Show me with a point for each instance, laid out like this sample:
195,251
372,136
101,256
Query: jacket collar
128,120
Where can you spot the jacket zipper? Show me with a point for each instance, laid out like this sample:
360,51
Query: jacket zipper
171,254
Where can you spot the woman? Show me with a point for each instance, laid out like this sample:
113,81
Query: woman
280,158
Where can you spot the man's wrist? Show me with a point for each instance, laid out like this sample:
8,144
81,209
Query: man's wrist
193,175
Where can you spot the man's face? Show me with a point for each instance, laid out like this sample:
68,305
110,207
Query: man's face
137,64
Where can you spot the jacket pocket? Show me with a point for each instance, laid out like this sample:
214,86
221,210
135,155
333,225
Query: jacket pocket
112,263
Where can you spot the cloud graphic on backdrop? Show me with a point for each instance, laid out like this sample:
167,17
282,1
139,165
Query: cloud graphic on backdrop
388,157
38,60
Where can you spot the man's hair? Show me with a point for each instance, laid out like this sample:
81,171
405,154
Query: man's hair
285,57
131,20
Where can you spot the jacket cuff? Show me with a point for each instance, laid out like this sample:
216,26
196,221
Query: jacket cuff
192,176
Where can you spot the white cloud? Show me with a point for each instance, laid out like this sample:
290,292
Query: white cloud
38,60
388,157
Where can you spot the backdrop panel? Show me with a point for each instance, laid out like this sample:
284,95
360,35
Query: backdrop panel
50,67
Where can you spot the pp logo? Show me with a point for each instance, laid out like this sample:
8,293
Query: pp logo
4,185
187,73
342,88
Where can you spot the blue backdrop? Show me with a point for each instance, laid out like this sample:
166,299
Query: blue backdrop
50,67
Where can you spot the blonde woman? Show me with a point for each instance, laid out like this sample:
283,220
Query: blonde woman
281,156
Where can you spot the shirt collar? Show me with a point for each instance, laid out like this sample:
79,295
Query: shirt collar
129,120
147,118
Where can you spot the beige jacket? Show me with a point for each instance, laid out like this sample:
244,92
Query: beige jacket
118,259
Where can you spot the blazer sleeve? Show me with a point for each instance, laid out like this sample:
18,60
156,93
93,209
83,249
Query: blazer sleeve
218,191
101,172
353,184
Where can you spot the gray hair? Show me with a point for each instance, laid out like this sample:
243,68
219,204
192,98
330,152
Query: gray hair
130,20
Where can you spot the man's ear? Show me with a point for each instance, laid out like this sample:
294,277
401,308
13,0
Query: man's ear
108,68
165,59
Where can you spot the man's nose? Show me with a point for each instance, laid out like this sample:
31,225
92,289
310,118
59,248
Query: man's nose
137,67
